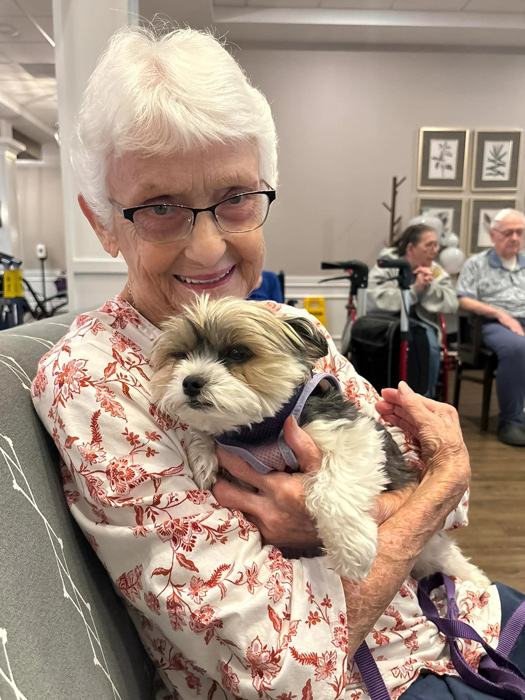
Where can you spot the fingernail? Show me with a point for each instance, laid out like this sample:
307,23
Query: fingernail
404,389
294,424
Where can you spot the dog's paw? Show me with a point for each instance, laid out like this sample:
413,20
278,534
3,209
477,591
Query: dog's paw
205,471
203,461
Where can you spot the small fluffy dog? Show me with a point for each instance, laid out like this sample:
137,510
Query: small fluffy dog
233,370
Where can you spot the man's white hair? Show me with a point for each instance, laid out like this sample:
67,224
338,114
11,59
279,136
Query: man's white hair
505,213
154,93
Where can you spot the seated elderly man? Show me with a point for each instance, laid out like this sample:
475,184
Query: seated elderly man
492,283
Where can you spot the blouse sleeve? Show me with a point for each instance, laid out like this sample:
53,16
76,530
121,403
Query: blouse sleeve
214,607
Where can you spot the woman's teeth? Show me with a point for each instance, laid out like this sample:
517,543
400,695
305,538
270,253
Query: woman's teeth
188,280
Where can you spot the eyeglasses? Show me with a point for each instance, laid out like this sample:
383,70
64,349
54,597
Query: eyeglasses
507,233
166,223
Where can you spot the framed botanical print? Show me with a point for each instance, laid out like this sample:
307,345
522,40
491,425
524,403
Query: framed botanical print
482,213
442,159
449,210
496,160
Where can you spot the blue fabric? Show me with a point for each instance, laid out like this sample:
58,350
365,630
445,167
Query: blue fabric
270,288
510,377
434,359
433,687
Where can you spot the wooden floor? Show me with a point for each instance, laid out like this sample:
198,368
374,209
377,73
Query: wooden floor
495,537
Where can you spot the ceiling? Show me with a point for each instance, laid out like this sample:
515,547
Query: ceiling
28,86
414,5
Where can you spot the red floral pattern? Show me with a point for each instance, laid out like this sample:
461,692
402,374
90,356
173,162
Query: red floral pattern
219,614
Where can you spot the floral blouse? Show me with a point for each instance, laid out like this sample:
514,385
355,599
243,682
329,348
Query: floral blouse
220,615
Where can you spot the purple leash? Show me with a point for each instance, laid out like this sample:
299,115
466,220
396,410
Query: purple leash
499,678
370,673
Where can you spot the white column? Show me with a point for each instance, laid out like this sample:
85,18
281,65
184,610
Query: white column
10,240
81,31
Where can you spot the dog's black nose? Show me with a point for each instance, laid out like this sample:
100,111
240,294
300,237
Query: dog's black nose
192,385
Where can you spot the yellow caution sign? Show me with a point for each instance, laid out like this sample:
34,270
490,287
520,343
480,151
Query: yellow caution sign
13,286
315,306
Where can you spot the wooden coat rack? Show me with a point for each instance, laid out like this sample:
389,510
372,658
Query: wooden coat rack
394,222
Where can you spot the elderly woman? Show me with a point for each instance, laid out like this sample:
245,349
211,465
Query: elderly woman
431,292
171,139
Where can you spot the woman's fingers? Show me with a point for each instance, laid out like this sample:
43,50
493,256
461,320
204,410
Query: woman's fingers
406,425
397,397
304,448
234,497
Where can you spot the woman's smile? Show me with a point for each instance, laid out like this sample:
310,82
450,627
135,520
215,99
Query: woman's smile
208,281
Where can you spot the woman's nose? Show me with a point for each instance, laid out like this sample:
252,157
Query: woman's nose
206,244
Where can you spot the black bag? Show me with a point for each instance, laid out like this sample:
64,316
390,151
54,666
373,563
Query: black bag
375,346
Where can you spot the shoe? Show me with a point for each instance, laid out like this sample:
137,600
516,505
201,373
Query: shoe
511,434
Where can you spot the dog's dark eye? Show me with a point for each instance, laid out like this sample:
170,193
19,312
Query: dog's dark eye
236,355
178,356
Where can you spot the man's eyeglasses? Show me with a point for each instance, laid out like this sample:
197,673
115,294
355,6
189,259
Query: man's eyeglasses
166,223
507,233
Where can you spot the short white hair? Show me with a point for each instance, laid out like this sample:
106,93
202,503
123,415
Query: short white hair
503,214
156,92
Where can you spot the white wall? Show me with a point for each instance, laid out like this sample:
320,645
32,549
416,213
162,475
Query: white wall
39,185
349,121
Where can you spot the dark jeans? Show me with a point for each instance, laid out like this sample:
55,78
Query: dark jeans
432,687
510,377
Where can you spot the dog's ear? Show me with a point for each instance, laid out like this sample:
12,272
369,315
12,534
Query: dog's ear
312,340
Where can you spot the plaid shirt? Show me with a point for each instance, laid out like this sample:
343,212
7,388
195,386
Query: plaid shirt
484,278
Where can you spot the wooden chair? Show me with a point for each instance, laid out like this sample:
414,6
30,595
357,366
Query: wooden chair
474,355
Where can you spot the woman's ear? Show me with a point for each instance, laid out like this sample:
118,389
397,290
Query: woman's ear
312,340
107,238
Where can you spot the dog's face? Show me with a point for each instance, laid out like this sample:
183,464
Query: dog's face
226,363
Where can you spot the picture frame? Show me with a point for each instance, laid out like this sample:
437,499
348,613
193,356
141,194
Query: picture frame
482,212
442,158
497,156
449,210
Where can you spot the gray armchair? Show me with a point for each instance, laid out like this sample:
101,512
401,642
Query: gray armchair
64,631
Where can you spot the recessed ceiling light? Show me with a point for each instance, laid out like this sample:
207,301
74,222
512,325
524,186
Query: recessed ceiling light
8,30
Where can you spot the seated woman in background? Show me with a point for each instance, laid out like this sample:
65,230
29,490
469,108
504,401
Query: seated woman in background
431,292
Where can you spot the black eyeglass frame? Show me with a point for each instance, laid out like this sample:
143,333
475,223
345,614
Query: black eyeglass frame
129,212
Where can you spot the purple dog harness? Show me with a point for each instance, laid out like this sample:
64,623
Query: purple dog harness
498,676
263,445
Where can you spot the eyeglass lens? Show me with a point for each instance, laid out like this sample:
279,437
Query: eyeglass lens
164,222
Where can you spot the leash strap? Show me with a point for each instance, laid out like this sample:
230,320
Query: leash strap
370,673
499,677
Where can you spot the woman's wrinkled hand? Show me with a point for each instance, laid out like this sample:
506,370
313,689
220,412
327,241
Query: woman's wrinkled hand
277,506
436,427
